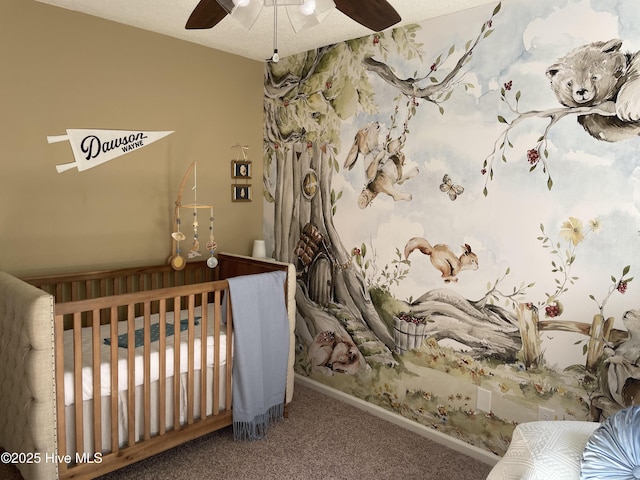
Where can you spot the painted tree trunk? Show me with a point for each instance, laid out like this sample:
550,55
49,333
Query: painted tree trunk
292,211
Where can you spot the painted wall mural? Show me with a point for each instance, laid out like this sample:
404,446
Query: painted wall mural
462,201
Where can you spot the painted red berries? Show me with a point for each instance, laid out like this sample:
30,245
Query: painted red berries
552,311
409,318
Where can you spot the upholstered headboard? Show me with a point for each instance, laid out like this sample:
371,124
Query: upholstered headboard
27,387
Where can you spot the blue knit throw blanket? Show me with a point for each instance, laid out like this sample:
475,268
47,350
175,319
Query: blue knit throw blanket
261,352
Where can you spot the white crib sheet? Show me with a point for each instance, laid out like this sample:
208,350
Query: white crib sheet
89,422
105,353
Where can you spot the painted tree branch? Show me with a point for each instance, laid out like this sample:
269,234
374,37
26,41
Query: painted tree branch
431,93
486,330
554,115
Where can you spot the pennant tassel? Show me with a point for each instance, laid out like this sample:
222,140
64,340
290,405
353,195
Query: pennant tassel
57,138
66,166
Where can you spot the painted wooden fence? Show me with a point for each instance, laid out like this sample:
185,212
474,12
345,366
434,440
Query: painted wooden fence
599,331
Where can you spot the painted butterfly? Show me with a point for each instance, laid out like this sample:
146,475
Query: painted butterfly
449,188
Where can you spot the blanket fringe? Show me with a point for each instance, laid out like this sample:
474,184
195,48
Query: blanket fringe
257,429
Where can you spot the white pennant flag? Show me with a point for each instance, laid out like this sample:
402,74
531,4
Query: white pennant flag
93,147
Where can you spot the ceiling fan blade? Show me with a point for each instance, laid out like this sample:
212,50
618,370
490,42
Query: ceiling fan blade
207,14
376,15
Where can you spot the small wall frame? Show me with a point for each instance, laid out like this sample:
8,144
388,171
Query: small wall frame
240,192
241,169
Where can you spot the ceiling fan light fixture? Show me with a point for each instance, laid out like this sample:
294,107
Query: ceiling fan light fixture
309,13
244,11
308,7
281,3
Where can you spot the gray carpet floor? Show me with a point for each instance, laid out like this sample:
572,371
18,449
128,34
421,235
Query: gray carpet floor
322,438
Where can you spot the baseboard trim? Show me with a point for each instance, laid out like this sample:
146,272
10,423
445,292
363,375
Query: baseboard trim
438,437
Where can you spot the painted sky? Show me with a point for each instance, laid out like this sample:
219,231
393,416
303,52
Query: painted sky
592,179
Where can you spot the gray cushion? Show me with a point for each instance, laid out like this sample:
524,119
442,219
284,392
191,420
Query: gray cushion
613,451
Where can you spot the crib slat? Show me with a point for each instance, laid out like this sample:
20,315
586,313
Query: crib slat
102,292
176,366
147,370
97,381
191,355
216,353
162,388
114,378
203,356
103,287
131,373
77,379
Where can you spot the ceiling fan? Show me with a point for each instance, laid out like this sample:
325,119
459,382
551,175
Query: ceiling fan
377,15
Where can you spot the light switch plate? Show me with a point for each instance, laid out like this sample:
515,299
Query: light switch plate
484,400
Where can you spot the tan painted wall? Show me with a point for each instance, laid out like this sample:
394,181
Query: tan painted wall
61,69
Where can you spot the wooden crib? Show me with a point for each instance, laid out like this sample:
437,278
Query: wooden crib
142,361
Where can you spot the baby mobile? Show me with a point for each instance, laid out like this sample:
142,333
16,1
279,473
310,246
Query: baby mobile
176,260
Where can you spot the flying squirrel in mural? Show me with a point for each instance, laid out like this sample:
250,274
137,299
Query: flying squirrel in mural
383,164
443,258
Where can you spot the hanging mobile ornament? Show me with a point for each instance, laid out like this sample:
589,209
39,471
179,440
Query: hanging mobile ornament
176,261
195,246
212,261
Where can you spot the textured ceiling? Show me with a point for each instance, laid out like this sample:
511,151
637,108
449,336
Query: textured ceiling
168,17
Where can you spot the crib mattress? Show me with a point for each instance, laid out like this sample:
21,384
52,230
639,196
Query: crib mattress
105,354
88,419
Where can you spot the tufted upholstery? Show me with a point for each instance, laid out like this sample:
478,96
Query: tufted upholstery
27,387
613,451
544,451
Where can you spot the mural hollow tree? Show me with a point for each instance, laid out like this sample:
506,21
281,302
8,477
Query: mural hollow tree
307,96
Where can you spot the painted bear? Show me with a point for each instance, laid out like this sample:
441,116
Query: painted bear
599,74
